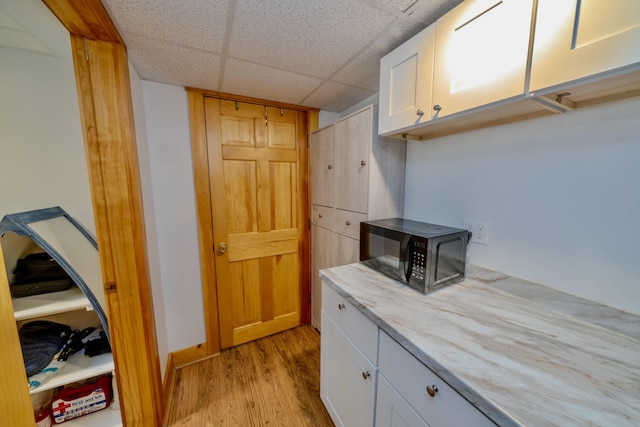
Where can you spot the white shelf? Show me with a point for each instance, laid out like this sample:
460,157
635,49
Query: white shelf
51,303
108,417
79,367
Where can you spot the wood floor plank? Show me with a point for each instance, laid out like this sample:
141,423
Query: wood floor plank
274,381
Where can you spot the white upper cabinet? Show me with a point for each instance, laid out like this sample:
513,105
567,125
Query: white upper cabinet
323,168
352,152
481,54
575,39
406,75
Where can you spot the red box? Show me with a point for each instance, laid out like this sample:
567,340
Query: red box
73,402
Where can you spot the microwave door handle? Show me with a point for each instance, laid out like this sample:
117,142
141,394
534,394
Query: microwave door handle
408,259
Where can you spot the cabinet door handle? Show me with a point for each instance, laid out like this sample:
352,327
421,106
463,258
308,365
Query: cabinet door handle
341,306
437,107
348,223
420,112
366,375
329,167
432,390
363,163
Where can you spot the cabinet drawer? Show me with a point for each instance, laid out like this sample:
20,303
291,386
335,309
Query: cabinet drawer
411,379
348,223
355,325
322,216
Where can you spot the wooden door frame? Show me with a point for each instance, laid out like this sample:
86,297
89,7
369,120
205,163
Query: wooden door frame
205,215
104,94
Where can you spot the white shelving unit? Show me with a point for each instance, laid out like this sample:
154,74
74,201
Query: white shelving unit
70,307
47,304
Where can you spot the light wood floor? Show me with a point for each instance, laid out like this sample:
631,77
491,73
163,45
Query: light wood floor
274,381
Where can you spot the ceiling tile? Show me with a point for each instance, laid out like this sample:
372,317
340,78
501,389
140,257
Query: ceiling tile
428,11
313,37
336,97
258,81
164,62
196,23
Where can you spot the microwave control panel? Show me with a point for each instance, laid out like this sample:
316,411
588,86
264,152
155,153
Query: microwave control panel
418,259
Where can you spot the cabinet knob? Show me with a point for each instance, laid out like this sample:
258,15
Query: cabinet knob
366,375
320,215
348,223
329,167
341,306
420,112
437,107
432,390
363,163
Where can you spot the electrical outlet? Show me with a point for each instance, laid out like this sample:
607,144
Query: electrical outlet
479,230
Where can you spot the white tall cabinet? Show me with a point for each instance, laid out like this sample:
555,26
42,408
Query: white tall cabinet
355,176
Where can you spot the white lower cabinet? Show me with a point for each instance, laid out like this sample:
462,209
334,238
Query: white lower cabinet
367,378
392,410
347,378
432,398
348,359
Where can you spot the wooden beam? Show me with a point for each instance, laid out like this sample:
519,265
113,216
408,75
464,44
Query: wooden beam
86,18
104,93
14,391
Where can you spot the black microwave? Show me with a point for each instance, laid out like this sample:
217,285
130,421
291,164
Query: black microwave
422,255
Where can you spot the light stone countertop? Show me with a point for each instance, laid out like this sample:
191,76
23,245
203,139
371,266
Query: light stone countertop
522,353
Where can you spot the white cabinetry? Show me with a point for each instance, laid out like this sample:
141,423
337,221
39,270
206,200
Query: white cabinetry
578,39
355,176
481,54
432,398
403,393
348,357
500,61
406,75
392,410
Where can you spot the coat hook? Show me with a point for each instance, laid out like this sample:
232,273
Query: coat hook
266,114
236,105
281,111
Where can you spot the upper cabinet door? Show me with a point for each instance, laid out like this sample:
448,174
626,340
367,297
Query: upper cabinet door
481,54
353,145
575,39
406,75
322,167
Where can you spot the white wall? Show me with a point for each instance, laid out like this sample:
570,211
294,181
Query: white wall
174,208
42,160
153,254
562,195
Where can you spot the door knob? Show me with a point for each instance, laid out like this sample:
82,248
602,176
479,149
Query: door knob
222,248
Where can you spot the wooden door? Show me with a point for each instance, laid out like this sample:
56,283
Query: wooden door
576,39
352,148
406,76
257,161
481,54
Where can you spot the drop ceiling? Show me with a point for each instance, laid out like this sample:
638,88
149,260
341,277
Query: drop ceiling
316,53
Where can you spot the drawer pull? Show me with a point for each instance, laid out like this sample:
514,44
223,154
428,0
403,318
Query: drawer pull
341,306
432,390
366,375
348,223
